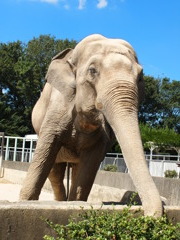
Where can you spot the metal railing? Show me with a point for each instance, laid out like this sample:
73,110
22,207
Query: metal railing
157,164
19,148
22,149
1,151
159,157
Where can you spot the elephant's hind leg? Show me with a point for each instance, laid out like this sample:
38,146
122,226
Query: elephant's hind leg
56,178
85,171
74,171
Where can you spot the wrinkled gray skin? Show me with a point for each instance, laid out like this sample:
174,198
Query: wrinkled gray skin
91,94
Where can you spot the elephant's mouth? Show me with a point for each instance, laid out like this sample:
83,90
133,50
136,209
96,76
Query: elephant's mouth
86,124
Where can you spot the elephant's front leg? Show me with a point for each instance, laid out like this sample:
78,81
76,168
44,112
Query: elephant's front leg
55,129
38,171
86,170
56,178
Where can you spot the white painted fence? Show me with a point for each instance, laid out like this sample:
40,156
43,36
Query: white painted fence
22,149
157,166
19,148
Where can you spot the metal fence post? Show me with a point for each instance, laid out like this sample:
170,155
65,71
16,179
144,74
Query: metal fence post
2,152
7,149
15,149
23,147
30,152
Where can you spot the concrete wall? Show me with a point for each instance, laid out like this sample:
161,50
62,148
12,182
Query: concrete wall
16,172
22,220
168,188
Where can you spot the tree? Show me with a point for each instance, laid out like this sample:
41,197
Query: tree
170,97
151,107
22,71
161,105
163,138
11,103
156,137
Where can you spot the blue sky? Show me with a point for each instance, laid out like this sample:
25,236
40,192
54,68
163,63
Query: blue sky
151,26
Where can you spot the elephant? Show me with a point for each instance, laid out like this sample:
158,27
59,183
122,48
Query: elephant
90,98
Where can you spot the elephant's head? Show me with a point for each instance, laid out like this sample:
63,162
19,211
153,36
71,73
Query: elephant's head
109,83
108,78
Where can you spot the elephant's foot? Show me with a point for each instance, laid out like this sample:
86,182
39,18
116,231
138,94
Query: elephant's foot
155,210
29,195
59,192
78,194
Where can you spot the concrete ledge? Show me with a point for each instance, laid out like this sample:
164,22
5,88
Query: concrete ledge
22,220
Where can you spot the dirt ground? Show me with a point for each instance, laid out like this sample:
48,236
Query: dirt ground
10,192
4,181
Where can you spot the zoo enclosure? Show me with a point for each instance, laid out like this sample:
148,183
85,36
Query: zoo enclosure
21,149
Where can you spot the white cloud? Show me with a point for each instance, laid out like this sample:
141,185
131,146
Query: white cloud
82,4
66,6
45,1
102,3
50,1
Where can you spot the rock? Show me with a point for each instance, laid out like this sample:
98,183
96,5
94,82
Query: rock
110,195
105,194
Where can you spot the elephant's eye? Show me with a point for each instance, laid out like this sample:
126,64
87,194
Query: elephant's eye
92,71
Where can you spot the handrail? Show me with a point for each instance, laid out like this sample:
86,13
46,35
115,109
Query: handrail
2,151
18,144
15,146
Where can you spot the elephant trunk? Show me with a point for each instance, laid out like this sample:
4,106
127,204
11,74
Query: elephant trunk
120,109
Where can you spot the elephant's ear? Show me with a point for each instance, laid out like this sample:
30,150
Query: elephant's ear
62,54
60,73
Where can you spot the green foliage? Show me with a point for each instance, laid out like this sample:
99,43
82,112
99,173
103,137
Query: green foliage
161,137
115,148
22,71
170,95
151,106
164,138
110,168
161,105
133,199
170,174
112,225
